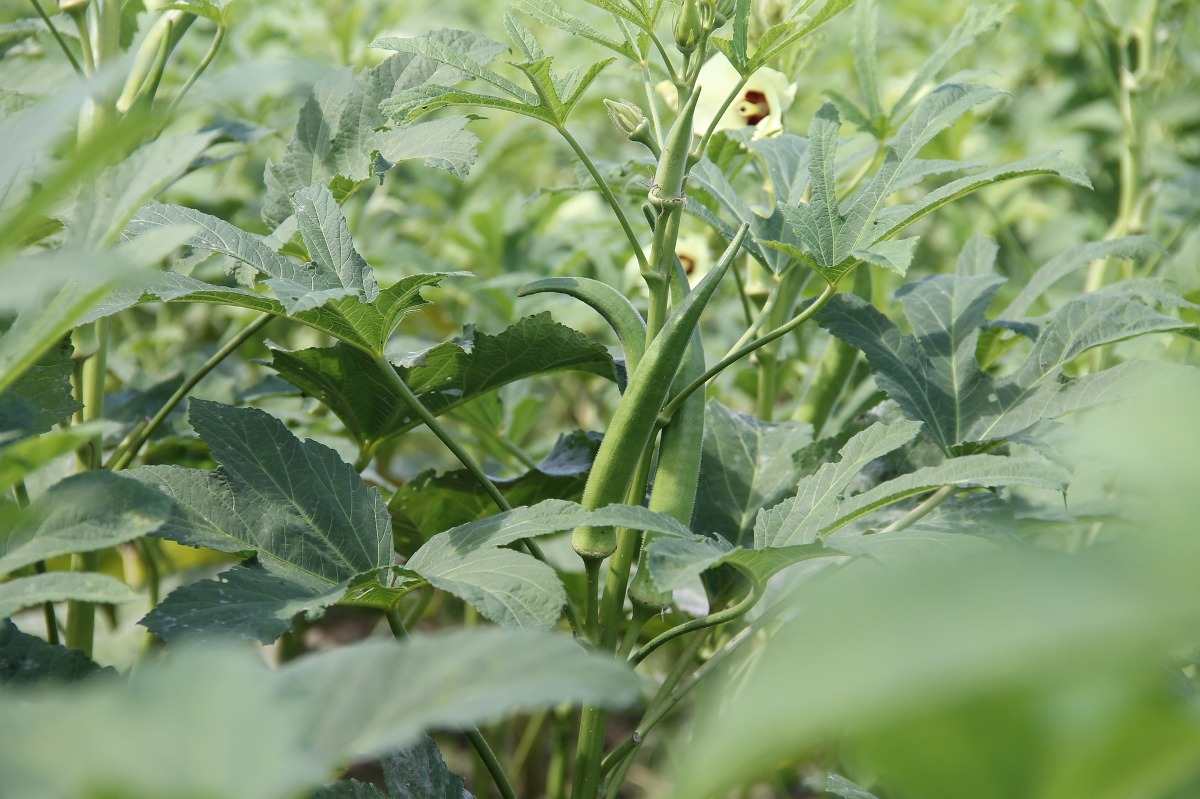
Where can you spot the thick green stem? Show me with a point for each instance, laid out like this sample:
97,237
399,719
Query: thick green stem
131,450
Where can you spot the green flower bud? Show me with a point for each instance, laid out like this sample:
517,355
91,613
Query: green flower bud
689,27
632,123
626,116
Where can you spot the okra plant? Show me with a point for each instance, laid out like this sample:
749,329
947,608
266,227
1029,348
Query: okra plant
821,464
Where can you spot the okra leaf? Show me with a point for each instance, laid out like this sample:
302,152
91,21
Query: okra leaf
441,143
27,455
82,513
415,772
747,465
372,698
443,377
549,516
244,740
1060,396
351,309
25,592
979,19
866,56
326,235
41,397
800,519
510,588
107,203
280,734
674,562
1063,264
419,772
551,13
436,47
341,125
786,159
989,471
28,660
245,601
431,503
310,521
779,37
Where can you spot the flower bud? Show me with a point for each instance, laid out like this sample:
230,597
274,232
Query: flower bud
626,116
689,27
630,120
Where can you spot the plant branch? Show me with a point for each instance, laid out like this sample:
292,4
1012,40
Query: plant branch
728,101
920,511
711,620
62,43
741,352
123,459
608,195
482,748
425,415
209,55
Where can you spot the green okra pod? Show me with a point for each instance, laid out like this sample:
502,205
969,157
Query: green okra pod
673,166
633,424
680,449
605,300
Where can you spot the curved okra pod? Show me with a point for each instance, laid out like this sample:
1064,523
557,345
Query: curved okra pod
679,453
618,311
633,424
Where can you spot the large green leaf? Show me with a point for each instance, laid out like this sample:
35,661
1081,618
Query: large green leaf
25,592
335,294
443,377
415,772
747,465
341,125
85,512
934,376
311,522
431,502
508,587
674,562
384,695
40,398
107,203
26,659
801,519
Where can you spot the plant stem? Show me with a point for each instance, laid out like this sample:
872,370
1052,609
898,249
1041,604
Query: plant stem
607,192
712,126
741,352
130,452
920,511
491,763
209,55
22,497
425,415
62,43
711,620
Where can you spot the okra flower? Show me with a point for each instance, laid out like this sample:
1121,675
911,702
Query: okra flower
761,105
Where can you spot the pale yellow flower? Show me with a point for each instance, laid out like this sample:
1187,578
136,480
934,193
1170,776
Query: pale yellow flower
762,103
694,254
